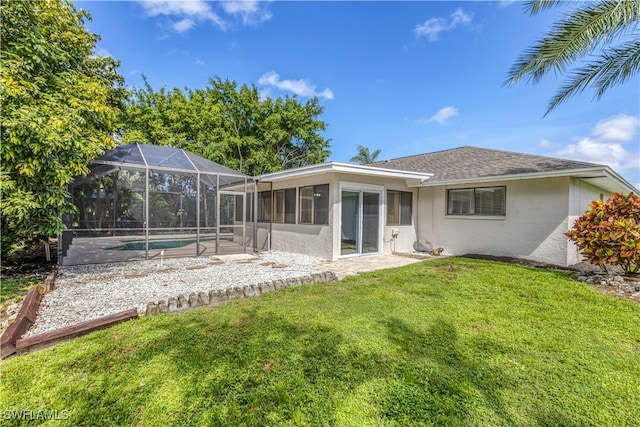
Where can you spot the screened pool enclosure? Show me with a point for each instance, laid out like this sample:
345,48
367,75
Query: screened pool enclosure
145,202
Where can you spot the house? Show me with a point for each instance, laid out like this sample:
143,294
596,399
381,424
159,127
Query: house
466,200
148,202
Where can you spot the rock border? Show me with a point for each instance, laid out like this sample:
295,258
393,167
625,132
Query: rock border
183,303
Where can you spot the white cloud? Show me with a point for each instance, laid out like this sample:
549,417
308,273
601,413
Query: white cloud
251,11
444,115
183,25
432,27
300,87
545,143
100,51
188,12
618,128
606,143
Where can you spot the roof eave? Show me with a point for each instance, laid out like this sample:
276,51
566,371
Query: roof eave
582,173
346,168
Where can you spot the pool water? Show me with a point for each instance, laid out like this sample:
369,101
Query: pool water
139,245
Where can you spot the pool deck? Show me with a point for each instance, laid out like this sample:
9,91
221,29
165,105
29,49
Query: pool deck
92,250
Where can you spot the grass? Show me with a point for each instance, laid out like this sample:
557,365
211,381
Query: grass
444,342
14,289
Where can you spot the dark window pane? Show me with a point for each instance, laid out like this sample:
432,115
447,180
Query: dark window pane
290,206
264,206
321,204
405,208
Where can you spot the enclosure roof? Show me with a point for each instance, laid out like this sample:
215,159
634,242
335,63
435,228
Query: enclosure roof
158,157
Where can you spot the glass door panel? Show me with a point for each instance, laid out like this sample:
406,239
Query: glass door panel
350,226
370,222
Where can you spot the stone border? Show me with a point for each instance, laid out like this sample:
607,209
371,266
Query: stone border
219,296
26,316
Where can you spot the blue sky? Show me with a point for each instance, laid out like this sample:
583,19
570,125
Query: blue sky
404,77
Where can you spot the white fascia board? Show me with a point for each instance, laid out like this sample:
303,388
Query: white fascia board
347,169
584,173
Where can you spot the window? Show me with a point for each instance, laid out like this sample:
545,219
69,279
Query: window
314,204
284,206
477,201
264,206
399,207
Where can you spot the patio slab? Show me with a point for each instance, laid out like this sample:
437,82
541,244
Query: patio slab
353,266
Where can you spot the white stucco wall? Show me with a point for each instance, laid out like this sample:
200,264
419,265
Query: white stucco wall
538,212
305,239
324,240
581,194
536,216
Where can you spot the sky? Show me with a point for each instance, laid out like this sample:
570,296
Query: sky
403,77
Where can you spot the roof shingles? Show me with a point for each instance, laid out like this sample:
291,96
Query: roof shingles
473,162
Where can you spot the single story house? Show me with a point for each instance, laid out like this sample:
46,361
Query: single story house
466,200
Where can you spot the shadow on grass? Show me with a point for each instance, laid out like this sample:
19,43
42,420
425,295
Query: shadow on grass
439,383
267,370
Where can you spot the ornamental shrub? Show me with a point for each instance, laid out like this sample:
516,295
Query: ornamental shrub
609,232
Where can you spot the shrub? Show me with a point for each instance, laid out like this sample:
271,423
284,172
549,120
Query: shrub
609,232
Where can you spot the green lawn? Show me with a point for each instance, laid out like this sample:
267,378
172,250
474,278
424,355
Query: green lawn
445,342
15,289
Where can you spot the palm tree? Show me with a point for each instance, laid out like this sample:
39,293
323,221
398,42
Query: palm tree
364,156
587,33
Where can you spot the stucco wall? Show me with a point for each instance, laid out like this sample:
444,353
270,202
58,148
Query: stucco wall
536,216
581,195
305,239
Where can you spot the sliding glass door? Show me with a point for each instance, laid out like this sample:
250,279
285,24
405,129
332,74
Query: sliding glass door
360,222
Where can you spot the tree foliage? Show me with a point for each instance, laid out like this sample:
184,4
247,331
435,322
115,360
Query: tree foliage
365,156
609,232
604,33
59,104
229,125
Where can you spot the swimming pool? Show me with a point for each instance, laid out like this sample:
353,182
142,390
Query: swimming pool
139,245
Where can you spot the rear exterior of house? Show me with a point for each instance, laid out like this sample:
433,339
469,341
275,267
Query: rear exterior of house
466,200
335,210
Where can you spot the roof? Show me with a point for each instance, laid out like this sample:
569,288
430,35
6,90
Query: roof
158,158
347,168
473,164
163,157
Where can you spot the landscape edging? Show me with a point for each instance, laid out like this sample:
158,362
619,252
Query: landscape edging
26,316
183,303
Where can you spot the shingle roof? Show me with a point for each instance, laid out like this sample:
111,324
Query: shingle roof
473,162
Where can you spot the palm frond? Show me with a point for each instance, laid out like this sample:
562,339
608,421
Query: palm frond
536,6
615,66
574,36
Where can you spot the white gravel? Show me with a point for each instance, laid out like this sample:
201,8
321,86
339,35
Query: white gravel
88,292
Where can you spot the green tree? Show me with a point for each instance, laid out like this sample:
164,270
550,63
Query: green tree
364,156
229,125
604,34
59,103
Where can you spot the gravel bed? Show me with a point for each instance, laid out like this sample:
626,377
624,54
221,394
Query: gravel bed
89,292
